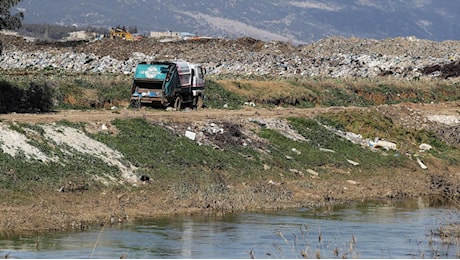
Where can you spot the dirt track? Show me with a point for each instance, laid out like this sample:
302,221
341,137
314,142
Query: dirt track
400,112
76,210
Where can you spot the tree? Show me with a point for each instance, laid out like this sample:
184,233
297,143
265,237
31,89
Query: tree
8,21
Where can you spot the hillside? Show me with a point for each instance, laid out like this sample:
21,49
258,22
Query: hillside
288,21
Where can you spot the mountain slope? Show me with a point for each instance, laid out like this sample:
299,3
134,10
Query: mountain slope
296,21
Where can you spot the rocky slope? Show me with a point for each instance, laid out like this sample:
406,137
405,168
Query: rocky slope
406,58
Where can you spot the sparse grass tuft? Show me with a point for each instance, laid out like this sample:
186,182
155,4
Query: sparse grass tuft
218,96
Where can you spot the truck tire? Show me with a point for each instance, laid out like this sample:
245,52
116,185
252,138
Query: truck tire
178,103
199,102
135,103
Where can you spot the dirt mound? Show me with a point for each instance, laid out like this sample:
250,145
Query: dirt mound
445,70
334,57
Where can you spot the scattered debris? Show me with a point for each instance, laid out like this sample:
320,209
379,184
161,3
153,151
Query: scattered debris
312,172
296,172
353,162
274,183
280,125
382,144
296,151
424,147
422,165
445,119
190,135
331,57
251,104
326,150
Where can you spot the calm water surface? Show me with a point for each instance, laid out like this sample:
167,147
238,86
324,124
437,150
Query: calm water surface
367,230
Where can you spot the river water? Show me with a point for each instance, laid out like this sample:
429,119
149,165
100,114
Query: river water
402,229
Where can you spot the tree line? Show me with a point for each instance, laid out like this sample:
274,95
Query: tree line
7,20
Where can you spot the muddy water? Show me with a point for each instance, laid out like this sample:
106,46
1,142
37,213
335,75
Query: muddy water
366,230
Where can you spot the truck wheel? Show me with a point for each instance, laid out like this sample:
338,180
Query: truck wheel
135,103
199,102
178,103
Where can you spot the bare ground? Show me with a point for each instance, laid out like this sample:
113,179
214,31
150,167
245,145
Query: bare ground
77,208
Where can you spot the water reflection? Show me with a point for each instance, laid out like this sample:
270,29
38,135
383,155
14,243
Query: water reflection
390,229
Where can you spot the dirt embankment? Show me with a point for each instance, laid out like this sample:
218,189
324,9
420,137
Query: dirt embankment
405,58
73,207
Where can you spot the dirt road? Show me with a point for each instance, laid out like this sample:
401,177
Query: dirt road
399,111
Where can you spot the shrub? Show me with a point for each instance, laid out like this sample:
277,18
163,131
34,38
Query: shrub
35,98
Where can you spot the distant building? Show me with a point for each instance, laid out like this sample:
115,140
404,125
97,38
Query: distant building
167,34
172,36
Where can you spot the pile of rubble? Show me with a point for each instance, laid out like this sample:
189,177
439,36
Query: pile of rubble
407,58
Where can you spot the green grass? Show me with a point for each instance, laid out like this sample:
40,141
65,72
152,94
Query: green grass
162,153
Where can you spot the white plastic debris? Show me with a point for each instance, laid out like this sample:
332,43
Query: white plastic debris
251,104
424,147
273,183
296,151
326,150
422,165
353,162
312,172
190,135
384,144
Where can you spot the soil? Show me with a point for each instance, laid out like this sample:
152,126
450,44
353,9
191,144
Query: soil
75,207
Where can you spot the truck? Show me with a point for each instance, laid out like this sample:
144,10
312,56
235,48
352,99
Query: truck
168,84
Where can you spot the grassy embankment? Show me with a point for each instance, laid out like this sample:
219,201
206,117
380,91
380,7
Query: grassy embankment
183,167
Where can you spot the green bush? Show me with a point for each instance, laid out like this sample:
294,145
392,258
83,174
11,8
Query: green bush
35,98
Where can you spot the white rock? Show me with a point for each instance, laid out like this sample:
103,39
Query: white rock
424,147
